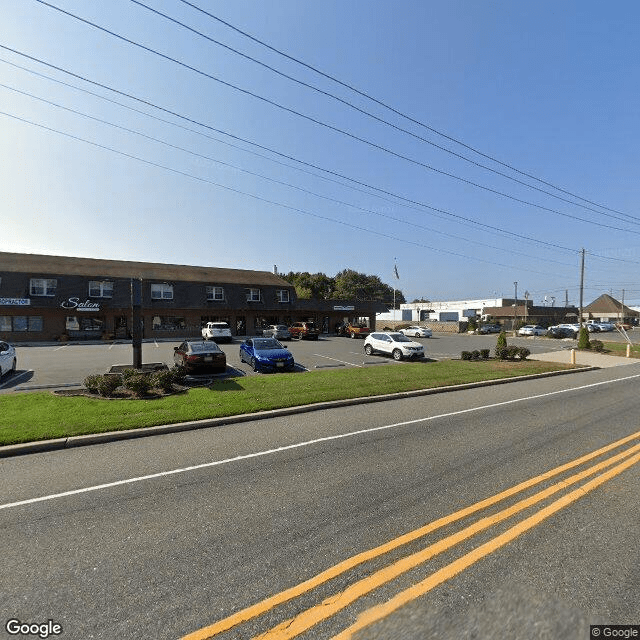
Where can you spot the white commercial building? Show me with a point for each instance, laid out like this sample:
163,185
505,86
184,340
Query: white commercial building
443,311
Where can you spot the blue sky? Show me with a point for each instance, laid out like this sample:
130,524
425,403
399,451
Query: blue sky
197,172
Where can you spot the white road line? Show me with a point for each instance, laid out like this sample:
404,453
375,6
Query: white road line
64,346
307,443
336,360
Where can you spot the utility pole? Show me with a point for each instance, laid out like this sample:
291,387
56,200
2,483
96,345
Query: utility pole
136,321
515,308
581,287
622,308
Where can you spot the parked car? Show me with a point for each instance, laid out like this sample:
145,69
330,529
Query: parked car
352,330
8,359
532,330
394,344
266,354
560,332
277,331
490,328
416,332
218,331
200,355
624,325
304,330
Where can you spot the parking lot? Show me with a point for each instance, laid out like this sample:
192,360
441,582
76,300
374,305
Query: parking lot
56,365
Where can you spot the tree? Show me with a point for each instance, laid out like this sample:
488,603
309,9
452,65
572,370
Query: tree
350,284
583,339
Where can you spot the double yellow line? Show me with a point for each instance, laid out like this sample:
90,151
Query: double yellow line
307,619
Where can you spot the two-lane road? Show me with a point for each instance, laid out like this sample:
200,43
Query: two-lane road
481,513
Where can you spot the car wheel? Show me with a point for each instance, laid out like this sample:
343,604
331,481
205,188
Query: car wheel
254,364
368,349
397,354
14,365
417,335
353,335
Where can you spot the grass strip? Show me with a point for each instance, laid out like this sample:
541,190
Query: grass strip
620,349
28,417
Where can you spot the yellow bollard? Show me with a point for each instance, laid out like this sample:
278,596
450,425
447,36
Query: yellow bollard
628,350
573,356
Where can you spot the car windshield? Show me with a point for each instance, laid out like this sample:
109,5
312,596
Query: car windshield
281,327
398,337
219,325
264,344
199,347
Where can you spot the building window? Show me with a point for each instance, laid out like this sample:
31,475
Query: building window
99,289
21,323
162,291
253,295
168,323
282,295
43,287
215,293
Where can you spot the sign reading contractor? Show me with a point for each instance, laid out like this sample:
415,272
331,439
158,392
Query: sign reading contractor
15,302
74,303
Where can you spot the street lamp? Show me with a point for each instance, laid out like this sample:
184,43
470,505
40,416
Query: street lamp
515,308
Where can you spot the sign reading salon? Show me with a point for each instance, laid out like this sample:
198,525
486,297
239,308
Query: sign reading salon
74,303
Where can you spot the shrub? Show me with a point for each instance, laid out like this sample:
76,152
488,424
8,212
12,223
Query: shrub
139,383
108,384
475,355
484,354
466,355
179,373
163,380
128,373
501,344
597,345
472,325
583,339
92,383
523,353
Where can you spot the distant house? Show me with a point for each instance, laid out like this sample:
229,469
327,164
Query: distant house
607,309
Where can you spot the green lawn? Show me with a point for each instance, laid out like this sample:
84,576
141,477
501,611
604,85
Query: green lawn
620,349
27,417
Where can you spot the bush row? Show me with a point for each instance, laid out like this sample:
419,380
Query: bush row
482,354
512,353
135,381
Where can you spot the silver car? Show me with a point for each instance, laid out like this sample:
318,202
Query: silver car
416,332
277,331
8,359
394,344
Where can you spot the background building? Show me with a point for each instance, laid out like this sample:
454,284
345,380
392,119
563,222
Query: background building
45,298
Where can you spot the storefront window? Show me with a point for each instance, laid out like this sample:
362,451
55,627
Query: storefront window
168,323
21,323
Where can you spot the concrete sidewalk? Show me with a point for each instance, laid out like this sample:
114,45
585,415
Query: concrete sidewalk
585,358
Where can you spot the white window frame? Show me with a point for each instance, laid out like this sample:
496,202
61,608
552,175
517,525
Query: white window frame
283,295
161,291
104,287
254,295
215,293
47,285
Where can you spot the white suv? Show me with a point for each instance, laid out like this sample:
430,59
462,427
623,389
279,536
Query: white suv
394,344
217,331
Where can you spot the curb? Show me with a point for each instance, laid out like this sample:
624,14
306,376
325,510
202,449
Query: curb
113,436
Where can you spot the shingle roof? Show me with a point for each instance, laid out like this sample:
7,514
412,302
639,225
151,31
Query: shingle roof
609,305
63,265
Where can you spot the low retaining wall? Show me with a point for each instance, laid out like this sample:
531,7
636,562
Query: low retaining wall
436,327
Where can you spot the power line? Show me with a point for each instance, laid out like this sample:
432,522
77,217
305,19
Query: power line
364,111
393,109
257,197
289,157
332,127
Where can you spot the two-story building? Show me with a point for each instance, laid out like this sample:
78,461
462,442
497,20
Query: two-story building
44,298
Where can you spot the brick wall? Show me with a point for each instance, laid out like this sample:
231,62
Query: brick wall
436,327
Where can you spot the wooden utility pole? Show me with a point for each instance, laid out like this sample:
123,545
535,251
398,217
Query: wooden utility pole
581,288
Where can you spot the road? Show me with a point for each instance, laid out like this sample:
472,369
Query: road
50,366
158,537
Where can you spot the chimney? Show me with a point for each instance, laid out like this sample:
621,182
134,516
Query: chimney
275,269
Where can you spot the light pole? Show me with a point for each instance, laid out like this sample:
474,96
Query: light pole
515,308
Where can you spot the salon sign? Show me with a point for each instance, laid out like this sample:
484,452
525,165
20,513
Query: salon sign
77,305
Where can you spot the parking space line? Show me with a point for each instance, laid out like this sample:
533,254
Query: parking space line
64,346
336,360
13,378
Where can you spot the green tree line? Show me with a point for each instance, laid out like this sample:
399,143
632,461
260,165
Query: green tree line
345,285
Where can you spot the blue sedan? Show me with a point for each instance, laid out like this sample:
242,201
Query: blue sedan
266,354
